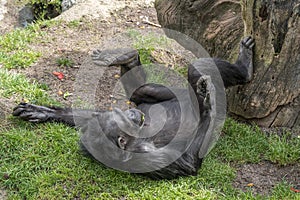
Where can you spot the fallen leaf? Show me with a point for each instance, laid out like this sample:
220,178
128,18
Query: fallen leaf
250,184
25,100
295,190
60,93
128,102
59,75
117,76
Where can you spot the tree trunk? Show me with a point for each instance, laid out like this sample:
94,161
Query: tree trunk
272,99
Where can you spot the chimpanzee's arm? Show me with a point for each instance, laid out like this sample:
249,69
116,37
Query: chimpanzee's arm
241,71
71,117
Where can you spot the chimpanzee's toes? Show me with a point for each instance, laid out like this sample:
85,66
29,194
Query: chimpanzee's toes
206,90
248,42
96,53
202,84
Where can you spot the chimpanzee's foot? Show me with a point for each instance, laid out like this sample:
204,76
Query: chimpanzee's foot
33,113
114,57
206,90
246,56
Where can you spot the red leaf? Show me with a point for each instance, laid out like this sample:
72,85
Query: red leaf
59,75
295,190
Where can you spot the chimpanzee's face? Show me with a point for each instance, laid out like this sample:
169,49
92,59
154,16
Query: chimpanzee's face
122,126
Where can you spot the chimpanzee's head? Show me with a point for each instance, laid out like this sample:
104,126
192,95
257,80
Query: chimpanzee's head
123,128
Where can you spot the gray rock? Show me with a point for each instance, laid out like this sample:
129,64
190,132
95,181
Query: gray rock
3,9
26,15
99,9
66,4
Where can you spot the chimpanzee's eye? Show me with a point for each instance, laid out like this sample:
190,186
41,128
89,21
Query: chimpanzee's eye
132,115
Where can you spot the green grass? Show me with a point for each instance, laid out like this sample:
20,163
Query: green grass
243,144
18,87
43,161
283,150
14,48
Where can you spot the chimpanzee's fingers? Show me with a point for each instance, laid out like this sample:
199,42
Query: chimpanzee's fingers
250,43
33,116
246,39
21,105
96,53
25,115
17,111
20,108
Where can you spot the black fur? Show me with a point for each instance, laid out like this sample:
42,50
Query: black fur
97,126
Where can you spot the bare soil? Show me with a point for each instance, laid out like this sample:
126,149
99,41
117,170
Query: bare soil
77,44
261,178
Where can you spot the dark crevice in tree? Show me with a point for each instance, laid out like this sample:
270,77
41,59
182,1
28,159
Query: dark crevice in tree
263,12
281,25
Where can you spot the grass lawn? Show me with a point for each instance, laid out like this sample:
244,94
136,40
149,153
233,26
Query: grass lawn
42,161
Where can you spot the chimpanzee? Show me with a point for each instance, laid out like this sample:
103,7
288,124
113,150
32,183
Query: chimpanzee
126,140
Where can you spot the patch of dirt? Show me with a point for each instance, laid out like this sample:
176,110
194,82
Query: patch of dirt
3,194
263,177
77,44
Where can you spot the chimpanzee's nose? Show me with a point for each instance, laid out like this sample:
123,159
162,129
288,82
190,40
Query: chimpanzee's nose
136,116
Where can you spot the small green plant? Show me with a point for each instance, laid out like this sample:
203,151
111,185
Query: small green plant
74,24
64,62
45,9
182,70
145,44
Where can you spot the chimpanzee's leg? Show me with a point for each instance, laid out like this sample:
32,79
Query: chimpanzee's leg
134,82
238,73
151,93
128,59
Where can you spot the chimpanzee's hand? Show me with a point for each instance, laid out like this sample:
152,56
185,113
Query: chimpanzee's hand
33,113
246,56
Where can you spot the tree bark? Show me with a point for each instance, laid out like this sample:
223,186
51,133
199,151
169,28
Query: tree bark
272,98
